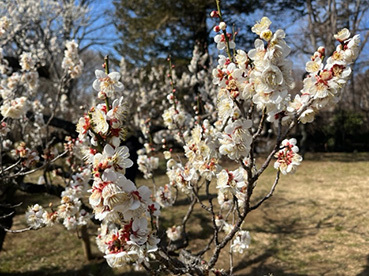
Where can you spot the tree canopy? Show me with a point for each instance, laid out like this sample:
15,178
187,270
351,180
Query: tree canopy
150,29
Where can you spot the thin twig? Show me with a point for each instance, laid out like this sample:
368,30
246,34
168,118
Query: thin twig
216,230
38,168
269,194
196,195
18,230
7,215
11,166
186,217
261,124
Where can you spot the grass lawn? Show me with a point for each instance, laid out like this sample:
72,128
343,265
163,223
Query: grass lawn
317,223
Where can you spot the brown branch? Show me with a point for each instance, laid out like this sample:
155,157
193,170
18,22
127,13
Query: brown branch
215,227
260,127
186,218
269,194
22,173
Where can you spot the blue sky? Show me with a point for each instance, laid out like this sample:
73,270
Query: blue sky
293,30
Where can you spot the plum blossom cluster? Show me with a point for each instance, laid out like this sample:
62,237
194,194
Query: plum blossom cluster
14,106
71,62
287,157
164,196
175,117
231,185
70,212
201,150
123,209
107,85
242,239
18,25
174,233
246,89
252,87
4,25
147,164
224,39
262,76
27,156
181,177
324,84
144,89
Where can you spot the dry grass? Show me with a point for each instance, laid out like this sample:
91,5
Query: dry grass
315,224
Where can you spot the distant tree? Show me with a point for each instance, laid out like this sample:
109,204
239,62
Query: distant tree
149,29
323,19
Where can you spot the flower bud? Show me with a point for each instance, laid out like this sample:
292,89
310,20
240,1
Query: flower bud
216,29
222,26
321,50
214,14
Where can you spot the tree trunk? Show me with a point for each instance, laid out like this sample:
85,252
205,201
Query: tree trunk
86,243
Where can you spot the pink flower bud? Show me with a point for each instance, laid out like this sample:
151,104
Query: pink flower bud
216,29
321,50
214,14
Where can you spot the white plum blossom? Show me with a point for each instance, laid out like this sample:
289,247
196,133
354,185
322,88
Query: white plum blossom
118,157
27,62
261,26
117,113
164,196
99,123
4,25
222,41
139,231
236,140
14,109
342,35
241,242
314,66
147,164
287,157
107,84
71,62
35,216
174,233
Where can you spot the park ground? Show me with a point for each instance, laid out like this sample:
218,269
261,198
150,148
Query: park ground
316,223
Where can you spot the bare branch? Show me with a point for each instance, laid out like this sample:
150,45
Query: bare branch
269,194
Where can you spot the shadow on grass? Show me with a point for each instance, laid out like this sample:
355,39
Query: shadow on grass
337,156
93,269
206,229
365,271
187,201
277,257
259,266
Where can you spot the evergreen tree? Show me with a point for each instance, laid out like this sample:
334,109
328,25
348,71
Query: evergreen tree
151,29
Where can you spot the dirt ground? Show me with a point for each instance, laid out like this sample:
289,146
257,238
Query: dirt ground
317,223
